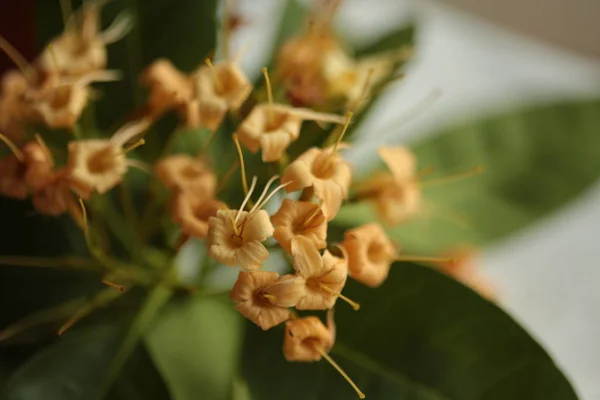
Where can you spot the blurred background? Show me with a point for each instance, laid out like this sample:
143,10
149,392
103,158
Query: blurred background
487,56
483,56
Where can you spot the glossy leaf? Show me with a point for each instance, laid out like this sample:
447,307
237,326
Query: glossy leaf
536,160
73,367
195,343
420,336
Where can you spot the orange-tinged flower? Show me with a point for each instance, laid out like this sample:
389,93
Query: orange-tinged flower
370,254
81,48
54,198
38,164
235,237
299,218
462,267
13,108
396,195
169,88
326,172
193,216
191,175
100,164
325,276
272,127
306,339
264,298
217,89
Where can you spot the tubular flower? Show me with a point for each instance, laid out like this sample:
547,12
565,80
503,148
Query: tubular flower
26,169
216,90
60,102
396,194
38,165
81,48
272,127
370,254
193,217
235,237
54,198
99,164
306,339
169,88
325,172
190,175
13,108
263,297
299,218
324,276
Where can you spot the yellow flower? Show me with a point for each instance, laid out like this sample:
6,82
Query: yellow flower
81,48
191,175
169,88
193,217
235,238
100,164
325,172
299,218
217,89
272,127
325,275
396,195
370,254
264,298
306,339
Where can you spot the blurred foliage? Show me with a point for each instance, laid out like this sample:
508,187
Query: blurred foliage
536,160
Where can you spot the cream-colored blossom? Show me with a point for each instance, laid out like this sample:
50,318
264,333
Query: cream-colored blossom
273,127
326,172
370,254
193,216
325,275
306,339
81,48
38,165
299,218
169,88
217,89
396,195
191,175
100,164
235,237
263,297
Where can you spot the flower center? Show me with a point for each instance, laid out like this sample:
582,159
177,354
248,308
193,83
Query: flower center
102,161
323,167
376,253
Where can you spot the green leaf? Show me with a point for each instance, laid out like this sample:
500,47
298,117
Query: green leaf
420,336
195,344
536,160
72,368
405,36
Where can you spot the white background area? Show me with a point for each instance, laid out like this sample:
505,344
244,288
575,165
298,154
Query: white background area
547,275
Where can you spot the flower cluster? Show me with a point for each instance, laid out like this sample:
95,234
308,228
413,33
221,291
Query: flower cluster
324,84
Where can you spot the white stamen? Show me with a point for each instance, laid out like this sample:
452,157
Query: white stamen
264,192
120,27
252,186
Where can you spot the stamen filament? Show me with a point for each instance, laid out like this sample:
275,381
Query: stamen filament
120,288
243,166
246,199
44,147
86,227
66,11
339,369
353,106
272,299
278,188
433,260
53,56
142,166
218,85
352,303
269,93
309,219
264,192
134,146
13,147
73,320
344,129
456,177
424,172
17,58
